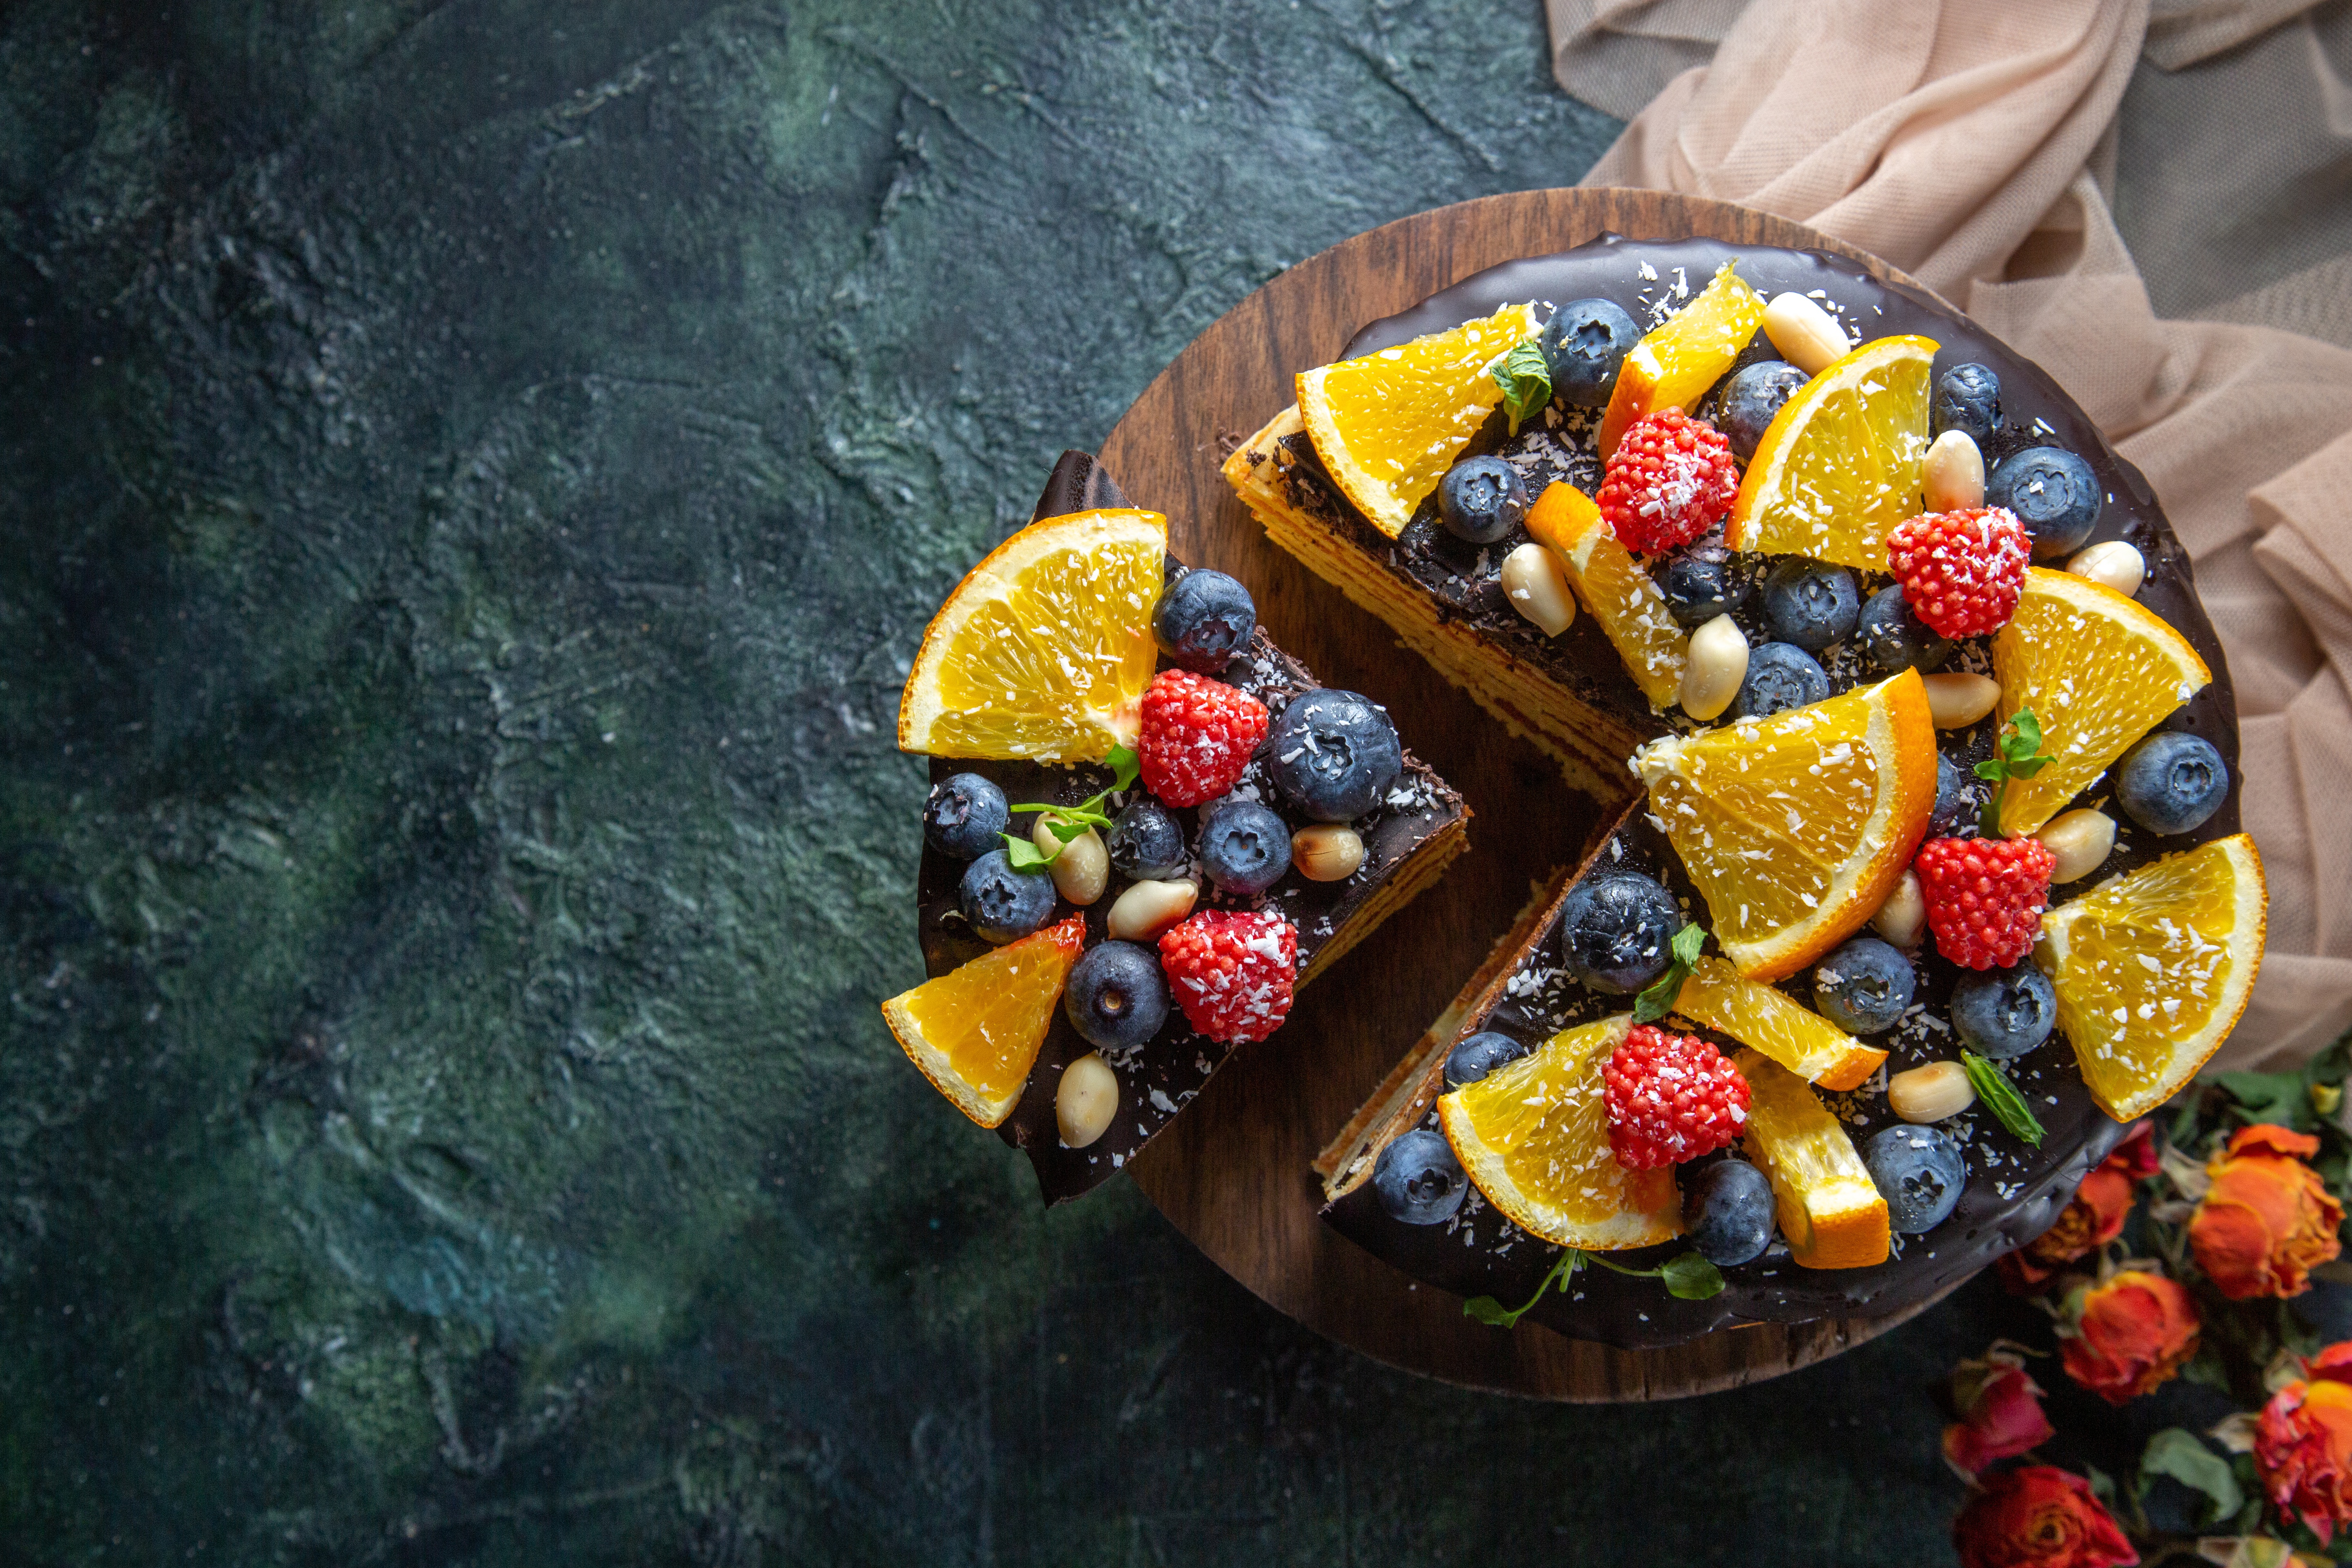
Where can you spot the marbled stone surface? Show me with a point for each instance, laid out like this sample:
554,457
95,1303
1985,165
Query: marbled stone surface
473,473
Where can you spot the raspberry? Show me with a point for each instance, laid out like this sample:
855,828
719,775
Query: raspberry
1984,896
1671,1097
1232,973
1670,479
1962,571
1197,737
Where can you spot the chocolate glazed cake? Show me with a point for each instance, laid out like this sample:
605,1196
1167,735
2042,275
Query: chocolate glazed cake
1409,840
1572,695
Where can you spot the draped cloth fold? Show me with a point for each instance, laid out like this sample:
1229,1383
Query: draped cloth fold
1964,143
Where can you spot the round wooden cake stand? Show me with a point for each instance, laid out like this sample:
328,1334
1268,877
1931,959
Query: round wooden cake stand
1233,1175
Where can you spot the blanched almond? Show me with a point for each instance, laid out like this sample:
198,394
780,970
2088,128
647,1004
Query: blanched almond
1085,1100
1931,1093
1327,851
1903,915
2079,841
2113,564
1537,585
1081,867
1717,663
1956,702
1807,336
1953,475
1147,908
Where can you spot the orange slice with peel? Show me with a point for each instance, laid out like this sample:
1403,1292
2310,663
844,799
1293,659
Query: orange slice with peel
1795,827
1838,468
1621,596
1679,359
975,1031
2098,669
1772,1022
1534,1137
1831,1213
1387,424
2152,969
1044,650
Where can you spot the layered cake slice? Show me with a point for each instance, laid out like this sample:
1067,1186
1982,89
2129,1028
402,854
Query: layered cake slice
1919,873
1148,826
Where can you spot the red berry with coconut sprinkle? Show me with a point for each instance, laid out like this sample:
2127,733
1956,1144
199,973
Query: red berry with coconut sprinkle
1962,572
1671,478
1984,896
1232,972
1671,1097
1197,736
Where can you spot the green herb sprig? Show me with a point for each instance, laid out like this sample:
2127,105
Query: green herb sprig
1657,999
1688,1277
2018,755
1992,1087
1525,377
1066,822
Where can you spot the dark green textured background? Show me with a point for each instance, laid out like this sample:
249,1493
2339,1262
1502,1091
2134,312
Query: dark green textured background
473,475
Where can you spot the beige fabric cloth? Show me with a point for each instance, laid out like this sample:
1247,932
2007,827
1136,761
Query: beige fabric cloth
1963,140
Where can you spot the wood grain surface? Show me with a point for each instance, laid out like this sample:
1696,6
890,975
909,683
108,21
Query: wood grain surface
1233,1175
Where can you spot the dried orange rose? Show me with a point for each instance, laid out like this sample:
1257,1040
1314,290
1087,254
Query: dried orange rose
2127,1333
2267,1220
2038,1516
2095,1218
2302,1444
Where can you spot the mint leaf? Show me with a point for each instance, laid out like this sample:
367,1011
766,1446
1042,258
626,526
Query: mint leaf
2017,754
1023,854
2000,1096
1494,1314
1125,768
1658,999
1067,829
1691,1277
2180,1455
1525,380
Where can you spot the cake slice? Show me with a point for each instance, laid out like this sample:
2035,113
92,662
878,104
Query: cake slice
1080,1128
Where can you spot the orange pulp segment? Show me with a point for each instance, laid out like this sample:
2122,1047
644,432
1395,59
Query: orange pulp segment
1534,1137
1621,596
1679,359
1839,467
975,1030
1795,827
1719,996
1831,1213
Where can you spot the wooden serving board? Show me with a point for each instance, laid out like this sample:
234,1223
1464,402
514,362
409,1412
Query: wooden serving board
1234,1174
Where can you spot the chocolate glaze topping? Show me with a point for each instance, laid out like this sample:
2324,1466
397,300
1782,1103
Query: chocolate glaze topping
2014,1192
1157,1080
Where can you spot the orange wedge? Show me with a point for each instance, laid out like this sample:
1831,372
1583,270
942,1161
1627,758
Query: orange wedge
1719,996
1534,1137
1796,827
1044,650
1621,596
974,1031
1838,468
1831,1213
2152,969
2099,671
1388,426
1677,361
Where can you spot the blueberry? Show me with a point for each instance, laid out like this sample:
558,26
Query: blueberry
1702,583
1968,397
1004,904
1482,500
1893,636
1478,1054
2052,492
1418,1179
1584,344
1203,619
1810,603
2004,1013
1780,677
1245,846
1116,997
965,816
1750,398
1864,987
1920,1173
1147,843
1617,930
1728,1213
1333,754
2170,782
1954,815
